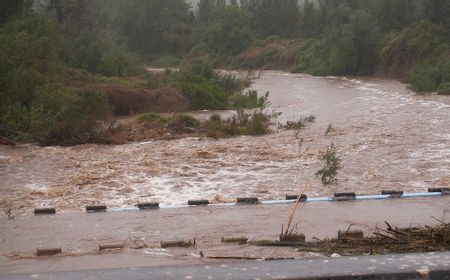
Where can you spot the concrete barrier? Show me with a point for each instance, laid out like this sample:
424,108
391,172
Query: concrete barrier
179,243
350,234
391,192
197,202
48,251
441,190
240,240
45,211
271,243
95,208
116,246
294,197
148,205
344,196
247,200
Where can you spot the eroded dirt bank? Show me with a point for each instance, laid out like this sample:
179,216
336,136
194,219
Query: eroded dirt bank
389,139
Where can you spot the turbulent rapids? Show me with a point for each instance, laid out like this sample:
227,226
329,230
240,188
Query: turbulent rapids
389,138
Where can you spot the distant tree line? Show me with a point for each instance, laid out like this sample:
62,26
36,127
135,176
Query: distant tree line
41,39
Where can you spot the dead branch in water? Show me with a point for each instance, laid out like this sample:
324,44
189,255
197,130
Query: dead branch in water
291,215
387,240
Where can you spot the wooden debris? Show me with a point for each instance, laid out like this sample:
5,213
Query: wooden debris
350,234
386,240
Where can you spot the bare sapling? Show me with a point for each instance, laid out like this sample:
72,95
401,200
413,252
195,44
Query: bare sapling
286,232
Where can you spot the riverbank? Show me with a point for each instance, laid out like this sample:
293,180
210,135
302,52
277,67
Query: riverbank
388,138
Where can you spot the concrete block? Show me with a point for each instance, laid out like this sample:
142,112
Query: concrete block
294,197
148,205
197,202
351,234
95,208
44,211
391,192
441,190
240,240
48,251
344,196
247,200
180,243
116,246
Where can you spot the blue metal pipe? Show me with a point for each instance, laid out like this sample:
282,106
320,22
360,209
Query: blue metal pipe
283,201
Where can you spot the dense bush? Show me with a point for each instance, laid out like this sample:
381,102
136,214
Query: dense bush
250,99
243,123
36,102
28,61
203,93
206,88
67,117
152,117
412,47
120,65
444,88
430,78
183,123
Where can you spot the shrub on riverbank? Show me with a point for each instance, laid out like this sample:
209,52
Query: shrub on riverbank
331,164
154,126
61,117
250,99
152,117
299,124
212,90
421,54
183,123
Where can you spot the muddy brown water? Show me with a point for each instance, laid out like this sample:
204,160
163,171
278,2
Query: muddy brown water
79,234
389,138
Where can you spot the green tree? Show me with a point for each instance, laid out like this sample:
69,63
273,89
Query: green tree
10,8
228,31
28,59
156,26
205,10
273,17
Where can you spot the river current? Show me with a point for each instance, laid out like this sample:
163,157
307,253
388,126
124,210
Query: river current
388,137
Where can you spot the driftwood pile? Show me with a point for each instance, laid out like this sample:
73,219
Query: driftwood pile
387,240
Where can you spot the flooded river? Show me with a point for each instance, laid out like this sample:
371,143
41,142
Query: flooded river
389,138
